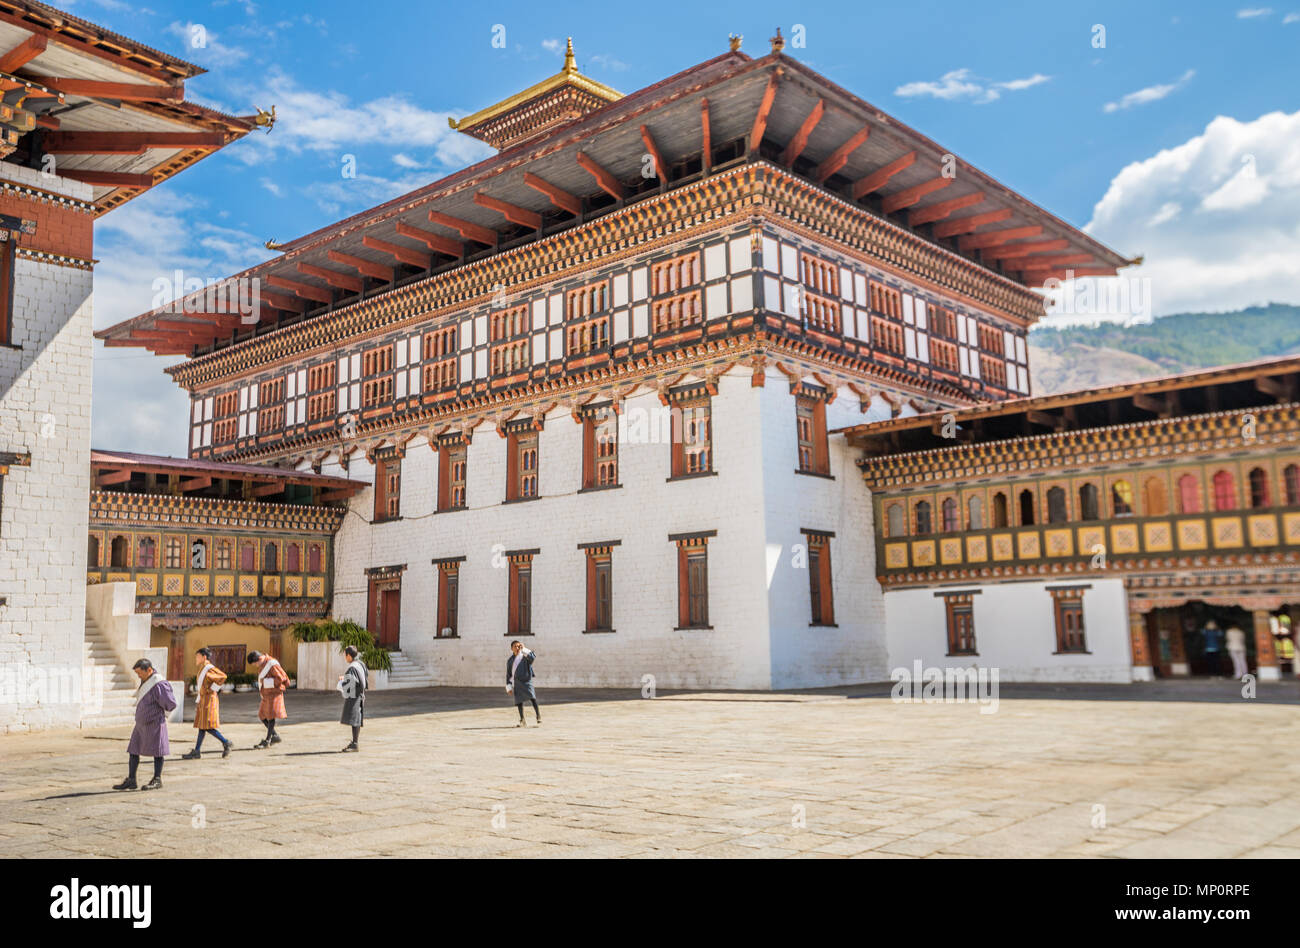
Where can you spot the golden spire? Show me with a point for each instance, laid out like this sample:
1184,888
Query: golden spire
735,39
778,41
569,64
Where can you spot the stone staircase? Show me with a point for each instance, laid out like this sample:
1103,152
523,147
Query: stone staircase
407,674
115,637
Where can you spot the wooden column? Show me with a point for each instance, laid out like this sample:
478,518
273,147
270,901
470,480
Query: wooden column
176,657
277,644
1266,668
1179,666
1142,668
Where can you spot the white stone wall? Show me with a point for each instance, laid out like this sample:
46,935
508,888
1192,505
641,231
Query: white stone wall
854,650
44,410
641,513
1015,631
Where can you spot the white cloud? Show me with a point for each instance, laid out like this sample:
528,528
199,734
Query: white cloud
203,47
1291,18
1149,94
962,84
1217,217
553,45
1252,12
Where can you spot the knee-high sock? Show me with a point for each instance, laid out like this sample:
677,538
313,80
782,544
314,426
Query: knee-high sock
198,741
217,734
135,765
536,710
157,768
520,708
270,728
356,733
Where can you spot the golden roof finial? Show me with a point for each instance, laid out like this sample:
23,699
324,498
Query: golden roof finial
778,41
569,64
735,40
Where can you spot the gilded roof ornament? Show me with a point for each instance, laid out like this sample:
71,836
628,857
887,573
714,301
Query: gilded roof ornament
778,41
735,39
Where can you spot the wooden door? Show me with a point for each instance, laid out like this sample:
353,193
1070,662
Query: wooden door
390,618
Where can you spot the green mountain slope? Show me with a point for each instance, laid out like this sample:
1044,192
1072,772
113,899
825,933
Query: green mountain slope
1089,357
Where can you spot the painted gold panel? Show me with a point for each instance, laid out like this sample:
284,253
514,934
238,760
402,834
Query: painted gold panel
1090,538
1158,537
248,585
270,585
923,553
173,584
223,585
1191,535
1028,545
316,586
895,556
1227,531
1263,529
1059,542
1291,527
120,578
950,550
977,549
1124,538
293,586
1003,548
198,584
146,584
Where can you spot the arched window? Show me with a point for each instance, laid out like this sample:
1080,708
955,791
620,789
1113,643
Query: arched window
118,552
314,558
174,553
1089,502
1189,494
199,554
92,553
1225,491
924,524
975,514
1291,483
999,509
247,556
1259,492
1121,499
1026,507
1056,512
292,558
225,554
1155,497
270,557
895,515
146,554
950,522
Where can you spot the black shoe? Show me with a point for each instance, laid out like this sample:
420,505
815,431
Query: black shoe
276,738
225,748
154,784
539,721
351,748
192,755
127,784
261,745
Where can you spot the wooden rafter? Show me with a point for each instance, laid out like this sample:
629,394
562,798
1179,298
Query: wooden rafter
880,177
23,53
467,229
661,167
1038,277
511,212
941,209
1050,263
966,225
556,195
305,290
266,490
840,156
112,477
122,91
111,179
706,137
764,110
994,237
282,301
406,255
187,484
437,242
909,196
800,140
608,183
342,280
362,265
1005,251
127,143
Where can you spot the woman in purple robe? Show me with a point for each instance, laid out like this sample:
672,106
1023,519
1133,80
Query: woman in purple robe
153,699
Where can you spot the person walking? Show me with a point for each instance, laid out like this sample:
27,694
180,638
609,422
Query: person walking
1213,637
1237,650
153,699
207,711
272,682
519,679
352,685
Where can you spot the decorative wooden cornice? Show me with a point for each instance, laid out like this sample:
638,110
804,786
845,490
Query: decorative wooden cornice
1190,435
753,191
111,509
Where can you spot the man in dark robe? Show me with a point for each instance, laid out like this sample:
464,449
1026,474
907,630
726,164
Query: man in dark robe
352,685
153,699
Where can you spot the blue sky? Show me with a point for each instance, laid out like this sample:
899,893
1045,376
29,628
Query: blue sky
1179,138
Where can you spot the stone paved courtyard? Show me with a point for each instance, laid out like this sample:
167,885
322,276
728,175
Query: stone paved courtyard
1182,769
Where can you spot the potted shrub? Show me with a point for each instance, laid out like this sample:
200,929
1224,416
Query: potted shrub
319,646
378,664
242,681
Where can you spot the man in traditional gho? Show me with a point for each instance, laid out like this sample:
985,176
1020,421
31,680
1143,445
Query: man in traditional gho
352,685
153,699
272,682
207,713
519,679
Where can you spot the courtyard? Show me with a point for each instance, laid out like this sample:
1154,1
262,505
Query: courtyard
1165,769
